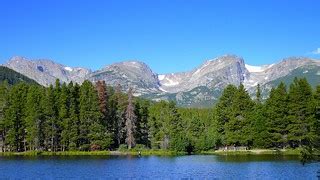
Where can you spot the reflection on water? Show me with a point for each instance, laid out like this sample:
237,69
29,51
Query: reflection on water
153,167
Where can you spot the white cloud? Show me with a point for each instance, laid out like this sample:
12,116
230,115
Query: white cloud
317,51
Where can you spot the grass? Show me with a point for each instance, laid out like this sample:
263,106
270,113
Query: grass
149,152
94,153
61,153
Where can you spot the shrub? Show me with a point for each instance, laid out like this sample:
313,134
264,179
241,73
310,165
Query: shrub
123,147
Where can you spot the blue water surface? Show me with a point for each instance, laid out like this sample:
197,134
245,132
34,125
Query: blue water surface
156,167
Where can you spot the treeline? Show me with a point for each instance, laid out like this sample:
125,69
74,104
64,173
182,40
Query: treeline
72,117
13,77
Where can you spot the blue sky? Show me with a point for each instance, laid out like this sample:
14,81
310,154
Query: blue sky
168,35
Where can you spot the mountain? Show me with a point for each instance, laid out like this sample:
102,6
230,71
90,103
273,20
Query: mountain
13,77
45,72
216,73
200,87
267,73
133,74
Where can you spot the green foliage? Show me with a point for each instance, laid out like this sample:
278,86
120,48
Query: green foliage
4,93
223,111
34,118
123,147
276,111
92,117
300,113
14,121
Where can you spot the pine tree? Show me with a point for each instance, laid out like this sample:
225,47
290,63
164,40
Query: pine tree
239,126
51,117
142,113
4,93
130,121
177,136
223,110
74,116
64,119
85,115
316,123
15,118
259,122
300,112
92,133
34,118
276,114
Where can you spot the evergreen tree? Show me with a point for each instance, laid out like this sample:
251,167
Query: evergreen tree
155,123
64,118
239,126
85,115
51,119
276,112
73,116
258,121
223,111
92,133
34,118
300,113
4,93
177,136
316,123
259,126
15,118
142,113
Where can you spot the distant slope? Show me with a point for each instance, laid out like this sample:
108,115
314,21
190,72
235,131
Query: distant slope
45,71
311,73
13,77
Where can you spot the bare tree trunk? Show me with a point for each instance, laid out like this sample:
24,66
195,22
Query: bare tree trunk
130,121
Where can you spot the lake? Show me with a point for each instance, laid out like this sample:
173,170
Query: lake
155,167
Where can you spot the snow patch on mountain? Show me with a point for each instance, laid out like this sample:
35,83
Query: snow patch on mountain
254,68
170,82
161,77
161,89
68,68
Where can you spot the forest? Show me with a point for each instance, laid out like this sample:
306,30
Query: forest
94,117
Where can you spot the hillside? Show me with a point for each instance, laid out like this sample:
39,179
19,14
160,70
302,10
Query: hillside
13,77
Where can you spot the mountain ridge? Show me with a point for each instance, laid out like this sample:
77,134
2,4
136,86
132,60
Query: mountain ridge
202,83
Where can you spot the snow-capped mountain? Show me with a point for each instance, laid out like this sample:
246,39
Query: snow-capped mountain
267,73
216,73
199,87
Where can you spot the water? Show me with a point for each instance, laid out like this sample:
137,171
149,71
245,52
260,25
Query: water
153,167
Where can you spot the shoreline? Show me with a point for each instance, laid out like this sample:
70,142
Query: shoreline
295,152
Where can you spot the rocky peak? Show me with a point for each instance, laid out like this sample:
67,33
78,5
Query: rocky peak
45,71
212,73
133,74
